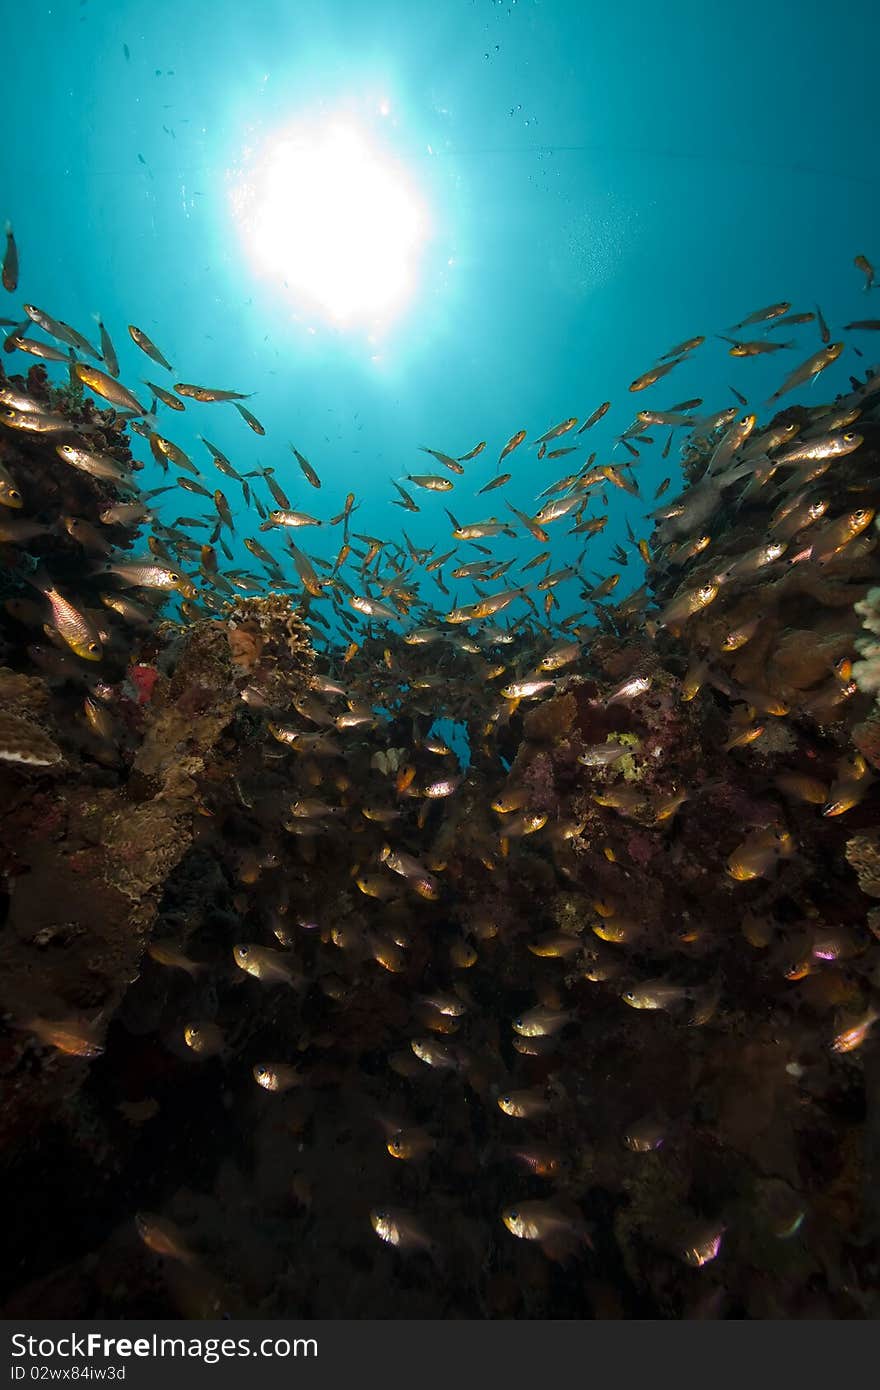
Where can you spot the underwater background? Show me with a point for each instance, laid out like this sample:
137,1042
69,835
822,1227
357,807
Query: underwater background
595,188
417,1089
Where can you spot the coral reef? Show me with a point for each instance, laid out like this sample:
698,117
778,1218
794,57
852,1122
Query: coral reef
271,958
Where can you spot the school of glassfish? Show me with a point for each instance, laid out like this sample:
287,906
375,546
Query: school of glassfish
543,870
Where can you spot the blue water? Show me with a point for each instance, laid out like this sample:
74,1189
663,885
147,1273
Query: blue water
599,185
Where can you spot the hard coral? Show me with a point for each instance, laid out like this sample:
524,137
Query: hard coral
552,719
142,844
27,695
25,744
270,645
863,853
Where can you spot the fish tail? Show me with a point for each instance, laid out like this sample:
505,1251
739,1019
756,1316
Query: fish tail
42,582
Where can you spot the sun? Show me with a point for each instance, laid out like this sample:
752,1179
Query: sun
334,216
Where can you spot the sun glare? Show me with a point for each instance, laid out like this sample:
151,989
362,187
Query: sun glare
334,217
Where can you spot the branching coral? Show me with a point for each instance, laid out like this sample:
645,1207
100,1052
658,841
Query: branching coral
270,644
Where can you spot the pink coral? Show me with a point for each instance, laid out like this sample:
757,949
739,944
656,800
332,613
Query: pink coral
540,781
641,849
143,678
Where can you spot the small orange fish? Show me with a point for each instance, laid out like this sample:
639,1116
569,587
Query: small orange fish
496,482
477,449
558,430
9,273
759,853
513,443
864,265
743,737
147,346
72,1037
851,1038
405,778
652,376
309,472
162,1237
596,416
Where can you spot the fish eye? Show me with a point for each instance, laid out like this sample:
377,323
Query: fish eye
513,1214
849,437
93,647
504,1100
174,577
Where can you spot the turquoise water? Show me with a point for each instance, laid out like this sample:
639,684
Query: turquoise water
596,187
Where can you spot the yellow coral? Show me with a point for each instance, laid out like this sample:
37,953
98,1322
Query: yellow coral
626,765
